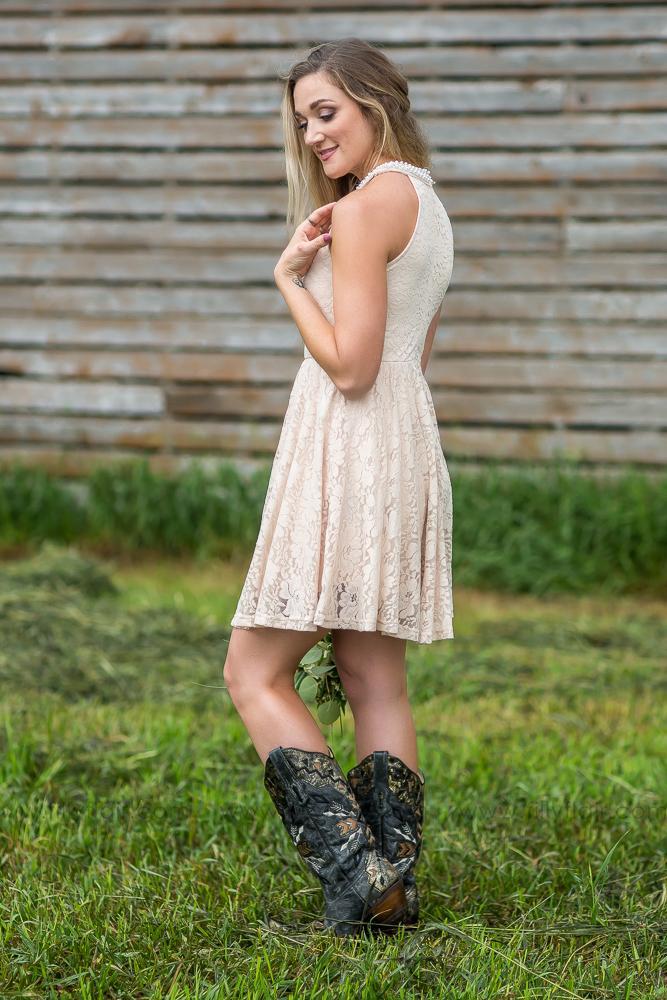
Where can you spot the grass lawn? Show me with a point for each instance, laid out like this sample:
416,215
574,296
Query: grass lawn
141,857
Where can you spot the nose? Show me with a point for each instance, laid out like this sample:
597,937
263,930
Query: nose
313,140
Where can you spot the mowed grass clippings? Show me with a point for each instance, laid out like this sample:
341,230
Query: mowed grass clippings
141,857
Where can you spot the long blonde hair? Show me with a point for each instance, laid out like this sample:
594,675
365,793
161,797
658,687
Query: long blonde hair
366,75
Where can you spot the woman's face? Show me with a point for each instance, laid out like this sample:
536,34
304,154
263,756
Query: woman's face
336,121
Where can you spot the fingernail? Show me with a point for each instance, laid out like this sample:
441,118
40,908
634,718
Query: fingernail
327,238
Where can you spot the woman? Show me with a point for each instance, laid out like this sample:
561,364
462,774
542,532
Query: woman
356,528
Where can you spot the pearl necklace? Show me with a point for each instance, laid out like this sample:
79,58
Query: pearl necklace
409,168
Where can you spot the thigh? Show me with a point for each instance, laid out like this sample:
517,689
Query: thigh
263,655
370,660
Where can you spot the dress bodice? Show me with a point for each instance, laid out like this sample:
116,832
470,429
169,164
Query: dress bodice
416,280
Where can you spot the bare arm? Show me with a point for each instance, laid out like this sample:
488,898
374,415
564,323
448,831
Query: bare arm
430,336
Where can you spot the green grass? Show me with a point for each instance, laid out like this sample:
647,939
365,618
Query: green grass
529,530
141,857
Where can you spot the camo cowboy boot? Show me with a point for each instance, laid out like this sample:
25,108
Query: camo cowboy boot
362,890
391,797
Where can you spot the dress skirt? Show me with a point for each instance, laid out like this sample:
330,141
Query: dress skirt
356,530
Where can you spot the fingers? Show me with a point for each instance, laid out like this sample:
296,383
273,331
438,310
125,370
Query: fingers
319,217
322,212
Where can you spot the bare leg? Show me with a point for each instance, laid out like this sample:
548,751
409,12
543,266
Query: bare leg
372,671
259,673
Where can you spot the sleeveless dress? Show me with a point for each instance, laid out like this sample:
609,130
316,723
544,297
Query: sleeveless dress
356,529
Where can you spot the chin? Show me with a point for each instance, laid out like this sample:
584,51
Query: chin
335,169
335,174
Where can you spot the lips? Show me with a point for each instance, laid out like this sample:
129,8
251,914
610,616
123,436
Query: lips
326,153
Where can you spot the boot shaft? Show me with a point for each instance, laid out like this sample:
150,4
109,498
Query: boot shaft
319,810
327,826
391,796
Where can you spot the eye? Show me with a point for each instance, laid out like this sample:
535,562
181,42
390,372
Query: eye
323,118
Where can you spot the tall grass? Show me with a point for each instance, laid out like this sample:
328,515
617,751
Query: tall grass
527,531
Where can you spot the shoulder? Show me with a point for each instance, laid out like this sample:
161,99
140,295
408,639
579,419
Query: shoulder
369,205
388,185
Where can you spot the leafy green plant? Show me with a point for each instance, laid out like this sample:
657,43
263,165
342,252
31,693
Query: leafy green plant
318,683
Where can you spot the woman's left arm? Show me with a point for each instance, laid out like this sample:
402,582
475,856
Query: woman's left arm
350,352
315,329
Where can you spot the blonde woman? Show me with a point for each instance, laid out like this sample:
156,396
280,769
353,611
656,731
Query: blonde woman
356,530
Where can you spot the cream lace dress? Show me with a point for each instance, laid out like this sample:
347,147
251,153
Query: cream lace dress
356,530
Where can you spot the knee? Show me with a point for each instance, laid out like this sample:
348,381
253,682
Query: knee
355,677
229,673
357,690
371,667
234,679
246,679
363,687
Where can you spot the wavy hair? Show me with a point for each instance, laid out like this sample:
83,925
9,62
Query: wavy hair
367,76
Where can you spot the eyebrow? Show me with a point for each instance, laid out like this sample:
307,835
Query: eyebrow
313,104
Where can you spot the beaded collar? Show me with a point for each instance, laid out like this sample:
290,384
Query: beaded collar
409,168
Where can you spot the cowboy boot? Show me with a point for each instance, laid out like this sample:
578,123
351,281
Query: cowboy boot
391,797
328,829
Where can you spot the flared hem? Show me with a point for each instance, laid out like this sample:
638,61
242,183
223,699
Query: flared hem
308,625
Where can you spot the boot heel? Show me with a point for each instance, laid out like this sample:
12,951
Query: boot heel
388,910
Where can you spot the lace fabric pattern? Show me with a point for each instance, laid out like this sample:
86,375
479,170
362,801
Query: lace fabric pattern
356,530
